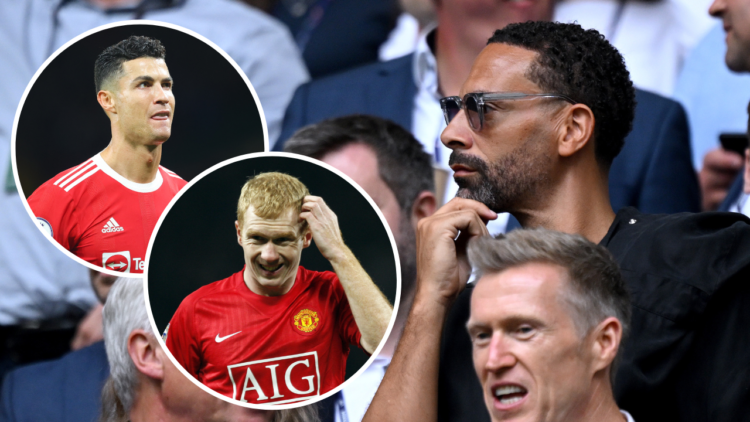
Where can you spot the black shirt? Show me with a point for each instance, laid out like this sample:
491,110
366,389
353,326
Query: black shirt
688,354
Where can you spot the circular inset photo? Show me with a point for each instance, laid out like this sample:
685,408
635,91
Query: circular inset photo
115,123
272,278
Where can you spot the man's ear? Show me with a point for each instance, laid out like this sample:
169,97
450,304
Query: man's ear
237,229
143,351
424,206
307,237
606,341
106,99
578,130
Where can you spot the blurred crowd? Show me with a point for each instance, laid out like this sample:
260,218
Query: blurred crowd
312,60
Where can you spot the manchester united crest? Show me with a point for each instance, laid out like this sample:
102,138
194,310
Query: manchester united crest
306,320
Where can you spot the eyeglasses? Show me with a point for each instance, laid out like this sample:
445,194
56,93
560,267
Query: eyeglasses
474,104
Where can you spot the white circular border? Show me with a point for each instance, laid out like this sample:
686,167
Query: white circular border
53,57
383,221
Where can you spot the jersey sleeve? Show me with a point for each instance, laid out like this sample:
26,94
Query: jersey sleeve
348,329
55,212
181,340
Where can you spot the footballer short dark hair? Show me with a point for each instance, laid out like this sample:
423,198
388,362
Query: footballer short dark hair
583,65
402,163
109,63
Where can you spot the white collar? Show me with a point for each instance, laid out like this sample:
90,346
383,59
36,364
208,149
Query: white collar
424,66
137,187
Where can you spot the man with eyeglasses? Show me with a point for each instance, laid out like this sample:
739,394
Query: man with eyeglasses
653,173
542,115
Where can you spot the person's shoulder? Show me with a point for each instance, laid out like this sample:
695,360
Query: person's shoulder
312,276
172,178
399,66
648,101
64,182
219,287
73,380
701,249
213,16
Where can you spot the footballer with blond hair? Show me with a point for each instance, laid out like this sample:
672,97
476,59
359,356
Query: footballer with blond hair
276,332
104,210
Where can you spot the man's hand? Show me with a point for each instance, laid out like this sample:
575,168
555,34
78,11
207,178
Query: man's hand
442,264
720,167
370,309
324,226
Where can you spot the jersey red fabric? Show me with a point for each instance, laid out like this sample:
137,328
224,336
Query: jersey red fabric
262,349
102,217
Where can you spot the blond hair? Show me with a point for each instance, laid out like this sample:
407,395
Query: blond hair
271,194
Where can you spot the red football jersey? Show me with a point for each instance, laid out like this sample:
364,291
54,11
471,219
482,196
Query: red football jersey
102,217
261,349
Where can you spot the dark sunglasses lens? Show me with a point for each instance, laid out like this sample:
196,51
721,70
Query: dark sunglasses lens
450,109
472,113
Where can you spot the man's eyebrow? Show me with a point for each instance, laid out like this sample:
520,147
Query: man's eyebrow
278,235
146,78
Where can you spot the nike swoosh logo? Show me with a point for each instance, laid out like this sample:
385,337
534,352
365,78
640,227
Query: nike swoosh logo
219,339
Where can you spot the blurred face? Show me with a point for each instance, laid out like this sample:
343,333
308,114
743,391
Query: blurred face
531,362
359,161
478,19
186,401
145,102
101,283
509,161
272,248
735,15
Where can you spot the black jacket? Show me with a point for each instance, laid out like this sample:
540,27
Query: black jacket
688,355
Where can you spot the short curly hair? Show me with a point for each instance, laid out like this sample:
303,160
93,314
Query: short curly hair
583,65
109,63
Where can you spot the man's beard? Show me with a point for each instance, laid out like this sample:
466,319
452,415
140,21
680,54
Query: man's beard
502,185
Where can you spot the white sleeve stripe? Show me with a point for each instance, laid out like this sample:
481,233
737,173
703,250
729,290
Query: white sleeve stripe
78,173
81,179
70,172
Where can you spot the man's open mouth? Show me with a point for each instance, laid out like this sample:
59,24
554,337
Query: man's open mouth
509,394
161,115
271,268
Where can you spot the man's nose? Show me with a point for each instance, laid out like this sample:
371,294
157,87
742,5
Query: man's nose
269,252
458,134
501,354
161,96
717,8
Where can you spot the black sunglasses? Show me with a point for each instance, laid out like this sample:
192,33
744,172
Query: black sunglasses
474,104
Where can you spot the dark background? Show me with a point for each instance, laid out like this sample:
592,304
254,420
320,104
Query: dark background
196,243
62,125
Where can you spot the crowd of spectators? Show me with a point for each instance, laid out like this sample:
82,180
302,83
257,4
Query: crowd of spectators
313,61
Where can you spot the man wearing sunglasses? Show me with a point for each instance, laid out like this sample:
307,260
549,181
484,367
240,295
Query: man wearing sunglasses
545,110
653,172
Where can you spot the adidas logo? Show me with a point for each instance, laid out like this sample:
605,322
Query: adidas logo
112,226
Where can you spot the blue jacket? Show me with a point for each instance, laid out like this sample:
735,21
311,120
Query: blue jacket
653,173
64,390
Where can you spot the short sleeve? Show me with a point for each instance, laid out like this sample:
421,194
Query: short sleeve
181,341
54,209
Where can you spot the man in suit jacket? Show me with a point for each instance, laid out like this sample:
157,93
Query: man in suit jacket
652,173
65,390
